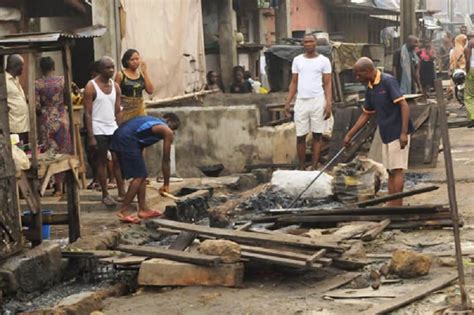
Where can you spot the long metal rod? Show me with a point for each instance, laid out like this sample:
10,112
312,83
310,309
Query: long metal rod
325,167
448,161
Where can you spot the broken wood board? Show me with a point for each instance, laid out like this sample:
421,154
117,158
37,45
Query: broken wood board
249,237
334,282
423,290
383,292
350,263
183,240
372,233
176,255
349,231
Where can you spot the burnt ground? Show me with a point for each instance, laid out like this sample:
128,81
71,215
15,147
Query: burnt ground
275,291
270,291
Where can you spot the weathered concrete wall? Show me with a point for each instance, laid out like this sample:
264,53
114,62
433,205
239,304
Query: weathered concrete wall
104,13
223,134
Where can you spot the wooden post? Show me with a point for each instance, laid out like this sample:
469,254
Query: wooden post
67,69
73,205
227,44
35,229
448,162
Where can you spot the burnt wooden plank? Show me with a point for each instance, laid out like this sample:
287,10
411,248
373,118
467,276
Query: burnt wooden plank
176,255
380,217
248,237
183,240
396,196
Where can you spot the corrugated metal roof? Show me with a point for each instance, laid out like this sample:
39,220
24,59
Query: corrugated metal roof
50,37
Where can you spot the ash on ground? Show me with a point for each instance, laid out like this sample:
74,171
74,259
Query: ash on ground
270,199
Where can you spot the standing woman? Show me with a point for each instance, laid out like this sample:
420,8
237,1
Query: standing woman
53,117
458,58
133,79
469,89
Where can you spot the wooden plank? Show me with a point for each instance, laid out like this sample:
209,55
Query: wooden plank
350,264
183,240
421,119
287,262
124,261
73,207
315,257
424,289
351,230
365,210
176,255
25,188
379,200
248,237
379,217
284,254
361,293
244,227
422,223
372,234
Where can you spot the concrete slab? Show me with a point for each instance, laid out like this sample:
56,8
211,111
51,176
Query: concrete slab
32,270
163,272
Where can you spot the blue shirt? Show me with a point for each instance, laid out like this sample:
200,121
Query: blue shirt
136,134
382,98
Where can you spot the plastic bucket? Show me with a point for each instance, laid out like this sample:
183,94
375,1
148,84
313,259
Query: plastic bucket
46,228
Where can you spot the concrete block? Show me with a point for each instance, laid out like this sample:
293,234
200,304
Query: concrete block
163,272
32,270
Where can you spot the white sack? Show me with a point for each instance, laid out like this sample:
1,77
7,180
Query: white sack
293,183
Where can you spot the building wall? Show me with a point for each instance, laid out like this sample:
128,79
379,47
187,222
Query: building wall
308,14
223,134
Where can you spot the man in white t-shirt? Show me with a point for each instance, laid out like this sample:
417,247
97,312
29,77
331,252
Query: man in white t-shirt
311,83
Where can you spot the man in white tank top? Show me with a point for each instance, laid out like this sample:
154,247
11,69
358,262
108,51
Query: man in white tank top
311,83
102,107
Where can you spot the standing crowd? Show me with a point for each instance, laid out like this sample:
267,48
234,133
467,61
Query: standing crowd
117,128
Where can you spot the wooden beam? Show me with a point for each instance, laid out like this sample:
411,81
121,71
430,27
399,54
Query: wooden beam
73,207
343,218
248,237
425,289
176,255
379,200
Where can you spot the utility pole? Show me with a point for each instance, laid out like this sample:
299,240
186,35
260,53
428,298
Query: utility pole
407,19
282,21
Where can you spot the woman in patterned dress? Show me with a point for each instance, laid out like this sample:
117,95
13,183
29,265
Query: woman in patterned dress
53,116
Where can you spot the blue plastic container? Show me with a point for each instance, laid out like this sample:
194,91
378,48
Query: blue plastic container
46,228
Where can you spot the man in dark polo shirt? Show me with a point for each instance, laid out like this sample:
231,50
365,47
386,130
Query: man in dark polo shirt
384,99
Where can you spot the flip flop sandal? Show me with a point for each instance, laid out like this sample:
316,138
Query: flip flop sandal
109,201
129,219
149,214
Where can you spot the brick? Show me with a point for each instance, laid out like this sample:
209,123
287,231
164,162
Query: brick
163,272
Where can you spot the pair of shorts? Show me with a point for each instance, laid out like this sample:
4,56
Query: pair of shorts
309,115
132,164
393,157
103,145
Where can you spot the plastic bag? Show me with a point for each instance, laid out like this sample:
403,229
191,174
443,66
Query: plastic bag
22,162
293,183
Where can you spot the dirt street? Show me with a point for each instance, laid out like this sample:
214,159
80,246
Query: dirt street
272,292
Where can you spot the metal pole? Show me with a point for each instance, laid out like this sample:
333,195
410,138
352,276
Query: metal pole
465,301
